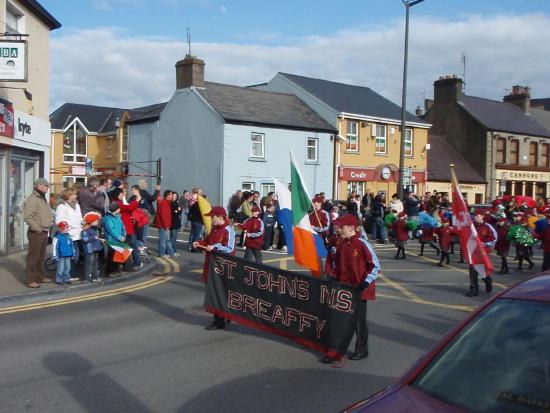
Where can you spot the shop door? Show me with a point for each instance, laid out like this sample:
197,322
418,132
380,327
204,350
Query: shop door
3,206
21,180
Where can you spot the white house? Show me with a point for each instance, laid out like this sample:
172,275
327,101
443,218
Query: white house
223,137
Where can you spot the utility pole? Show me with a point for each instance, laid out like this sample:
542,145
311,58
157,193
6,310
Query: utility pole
401,190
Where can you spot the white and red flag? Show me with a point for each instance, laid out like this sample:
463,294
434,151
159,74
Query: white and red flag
470,244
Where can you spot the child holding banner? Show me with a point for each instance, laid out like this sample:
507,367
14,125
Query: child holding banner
222,239
356,264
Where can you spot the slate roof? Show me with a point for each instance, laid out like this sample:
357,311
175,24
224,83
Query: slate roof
245,105
544,102
98,119
440,155
146,113
359,100
502,116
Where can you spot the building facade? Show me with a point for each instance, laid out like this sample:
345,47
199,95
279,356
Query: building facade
87,141
440,157
223,138
368,146
500,140
24,100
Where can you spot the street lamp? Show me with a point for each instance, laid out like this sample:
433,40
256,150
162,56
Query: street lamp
408,4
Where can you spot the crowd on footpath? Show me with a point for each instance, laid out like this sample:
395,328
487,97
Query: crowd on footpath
85,222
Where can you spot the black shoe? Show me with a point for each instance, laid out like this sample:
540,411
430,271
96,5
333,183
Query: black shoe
472,293
358,356
328,360
488,284
440,264
215,326
531,265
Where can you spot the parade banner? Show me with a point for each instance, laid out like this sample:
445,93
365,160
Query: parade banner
318,314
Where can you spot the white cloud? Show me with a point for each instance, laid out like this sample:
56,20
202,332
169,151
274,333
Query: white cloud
107,67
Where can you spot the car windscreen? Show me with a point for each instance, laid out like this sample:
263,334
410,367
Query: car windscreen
499,363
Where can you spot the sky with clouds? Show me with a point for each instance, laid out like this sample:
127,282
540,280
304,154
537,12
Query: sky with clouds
122,53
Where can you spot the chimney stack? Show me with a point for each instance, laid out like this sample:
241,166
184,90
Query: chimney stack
418,111
520,96
189,72
447,89
428,103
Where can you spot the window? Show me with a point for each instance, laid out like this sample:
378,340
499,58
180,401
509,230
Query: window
501,150
69,181
124,144
352,143
409,142
267,188
497,359
356,186
312,150
380,145
514,152
533,153
247,186
74,144
478,198
109,148
257,145
14,20
545,155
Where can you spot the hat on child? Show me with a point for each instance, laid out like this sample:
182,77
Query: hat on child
347,219
219,211
91,217
63,225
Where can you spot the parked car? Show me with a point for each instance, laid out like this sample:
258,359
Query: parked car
496,361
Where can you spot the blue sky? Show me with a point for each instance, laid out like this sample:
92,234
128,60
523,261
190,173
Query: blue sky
122,53
272,22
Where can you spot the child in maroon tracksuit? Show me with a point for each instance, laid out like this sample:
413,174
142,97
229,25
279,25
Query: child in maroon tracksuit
503,245
427,238
254,241
445,235
401,234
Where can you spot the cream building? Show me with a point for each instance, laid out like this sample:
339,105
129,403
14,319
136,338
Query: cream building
24,124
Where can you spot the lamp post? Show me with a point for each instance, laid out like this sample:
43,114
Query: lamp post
408,4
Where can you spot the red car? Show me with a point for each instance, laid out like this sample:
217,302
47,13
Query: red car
495,361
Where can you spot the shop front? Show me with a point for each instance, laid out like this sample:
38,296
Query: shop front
24,156
534,184
473,193
383,178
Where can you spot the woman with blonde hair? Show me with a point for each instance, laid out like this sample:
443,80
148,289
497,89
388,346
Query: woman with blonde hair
69,210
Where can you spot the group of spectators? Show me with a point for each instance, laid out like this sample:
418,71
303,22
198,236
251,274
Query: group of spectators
85,218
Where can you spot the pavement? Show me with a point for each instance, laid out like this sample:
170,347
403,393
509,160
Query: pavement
13,289
141,346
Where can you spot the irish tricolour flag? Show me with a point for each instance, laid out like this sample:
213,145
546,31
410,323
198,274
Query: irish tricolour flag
308,246
122,251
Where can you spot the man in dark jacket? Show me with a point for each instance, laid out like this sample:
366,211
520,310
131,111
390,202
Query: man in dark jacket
91,199
412,208
378,212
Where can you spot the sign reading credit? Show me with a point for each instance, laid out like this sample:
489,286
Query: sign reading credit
313,312
13,60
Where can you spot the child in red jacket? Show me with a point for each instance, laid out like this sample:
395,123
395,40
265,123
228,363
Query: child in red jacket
255,230
445,235
401,233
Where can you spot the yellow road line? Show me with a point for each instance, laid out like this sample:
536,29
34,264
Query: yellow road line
400,288
495,283
110,293
175,265
467,308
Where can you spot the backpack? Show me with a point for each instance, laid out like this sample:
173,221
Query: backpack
140,217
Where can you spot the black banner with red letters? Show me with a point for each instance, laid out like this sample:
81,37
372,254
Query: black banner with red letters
316,313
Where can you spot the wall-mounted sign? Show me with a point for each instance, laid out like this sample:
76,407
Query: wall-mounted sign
13,60
6,118
386,173
78,170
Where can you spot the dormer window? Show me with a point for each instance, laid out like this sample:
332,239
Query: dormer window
74,144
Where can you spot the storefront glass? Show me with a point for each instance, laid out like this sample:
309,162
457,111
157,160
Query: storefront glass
357,186
22,172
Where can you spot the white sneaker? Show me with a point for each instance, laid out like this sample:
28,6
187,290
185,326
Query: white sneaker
137,267
284,248
176,254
